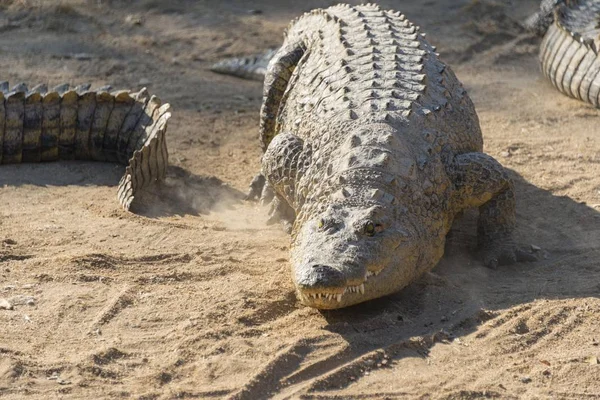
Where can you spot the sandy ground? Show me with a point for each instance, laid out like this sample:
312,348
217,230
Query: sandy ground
190,296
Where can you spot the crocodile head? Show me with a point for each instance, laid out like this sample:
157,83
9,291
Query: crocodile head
350,254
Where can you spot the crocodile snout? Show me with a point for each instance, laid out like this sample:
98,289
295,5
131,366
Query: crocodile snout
319,277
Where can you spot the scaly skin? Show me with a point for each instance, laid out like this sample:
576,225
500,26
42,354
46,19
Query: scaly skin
569,52
64,124
372,146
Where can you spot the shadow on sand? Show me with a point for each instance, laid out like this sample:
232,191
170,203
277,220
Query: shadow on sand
181,193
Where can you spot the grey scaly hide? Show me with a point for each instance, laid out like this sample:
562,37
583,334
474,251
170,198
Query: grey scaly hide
78,124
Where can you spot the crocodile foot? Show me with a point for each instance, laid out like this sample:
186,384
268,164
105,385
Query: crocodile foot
256,188
280,211
503,251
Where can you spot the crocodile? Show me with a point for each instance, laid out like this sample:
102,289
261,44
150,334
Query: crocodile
75,123
371,148
569,51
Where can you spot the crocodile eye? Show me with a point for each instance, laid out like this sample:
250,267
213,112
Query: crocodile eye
321,223
370,229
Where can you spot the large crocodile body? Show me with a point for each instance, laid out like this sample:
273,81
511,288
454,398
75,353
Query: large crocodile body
569,52
371,148
78,124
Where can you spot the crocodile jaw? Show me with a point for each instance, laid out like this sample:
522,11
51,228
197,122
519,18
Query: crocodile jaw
333,298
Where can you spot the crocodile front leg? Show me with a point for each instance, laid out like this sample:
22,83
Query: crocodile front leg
279,209
277,81
284,163
480,181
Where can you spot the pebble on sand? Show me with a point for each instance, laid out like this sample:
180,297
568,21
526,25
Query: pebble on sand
5,305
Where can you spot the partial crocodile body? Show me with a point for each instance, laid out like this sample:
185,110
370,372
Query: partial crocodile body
569,52
245,67
77,124
371,148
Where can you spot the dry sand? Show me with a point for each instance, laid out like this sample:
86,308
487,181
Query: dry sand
190,296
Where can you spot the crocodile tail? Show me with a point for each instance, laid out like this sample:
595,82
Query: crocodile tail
245,67
78,124
569,54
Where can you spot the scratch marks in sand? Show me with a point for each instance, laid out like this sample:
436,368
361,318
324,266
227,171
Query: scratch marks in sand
323,363
531,326
325,366
269,380
319,364
114,306
106,261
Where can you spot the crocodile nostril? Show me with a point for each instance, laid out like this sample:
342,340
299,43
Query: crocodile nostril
319,276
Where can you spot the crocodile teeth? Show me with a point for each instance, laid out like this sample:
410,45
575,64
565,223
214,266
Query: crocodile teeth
372,273
355,289
325,296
